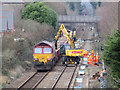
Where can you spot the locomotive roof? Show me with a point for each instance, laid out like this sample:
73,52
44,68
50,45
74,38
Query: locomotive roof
46,42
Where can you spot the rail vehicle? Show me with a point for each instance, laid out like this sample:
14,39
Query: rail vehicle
44,55
71,51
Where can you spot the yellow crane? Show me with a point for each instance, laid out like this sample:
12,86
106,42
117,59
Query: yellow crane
70,37
71,52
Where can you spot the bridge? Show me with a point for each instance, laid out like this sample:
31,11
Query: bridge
77,19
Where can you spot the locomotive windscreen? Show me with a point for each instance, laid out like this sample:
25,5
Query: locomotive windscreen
47,50
38,50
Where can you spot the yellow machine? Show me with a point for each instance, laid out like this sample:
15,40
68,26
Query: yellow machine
72,51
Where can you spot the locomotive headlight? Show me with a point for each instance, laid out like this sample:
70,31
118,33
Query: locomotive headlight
77,54
49,59
36,58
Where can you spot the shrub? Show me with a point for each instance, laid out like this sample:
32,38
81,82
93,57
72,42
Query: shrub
41,13
111,55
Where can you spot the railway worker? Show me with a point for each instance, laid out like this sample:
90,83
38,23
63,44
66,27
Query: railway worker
94,60
101,73
84,53
92,51
89,59
87,52
97,58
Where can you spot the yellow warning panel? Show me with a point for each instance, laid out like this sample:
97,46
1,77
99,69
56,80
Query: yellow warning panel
74,52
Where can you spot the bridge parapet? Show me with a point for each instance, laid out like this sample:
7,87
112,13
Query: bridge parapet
69,18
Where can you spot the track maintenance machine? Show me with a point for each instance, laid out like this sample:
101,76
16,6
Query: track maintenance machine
71,51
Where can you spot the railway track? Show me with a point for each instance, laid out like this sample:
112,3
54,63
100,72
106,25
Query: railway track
62,74
62,78
33,80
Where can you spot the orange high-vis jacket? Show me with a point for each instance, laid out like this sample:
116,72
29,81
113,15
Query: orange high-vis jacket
92,51
87,52
101,71
97,58
89,59
94,59
84,53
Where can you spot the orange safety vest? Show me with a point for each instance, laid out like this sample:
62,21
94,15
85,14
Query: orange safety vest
101,72
84,54
87,52
94,60
97,58
89,59
92,51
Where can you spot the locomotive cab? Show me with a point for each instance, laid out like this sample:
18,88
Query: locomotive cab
43,55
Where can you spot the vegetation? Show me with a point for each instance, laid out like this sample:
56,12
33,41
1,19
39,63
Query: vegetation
111,56
58,7
14,53
108,21
17,54
72,6
99,4
41,13
80,8
94,4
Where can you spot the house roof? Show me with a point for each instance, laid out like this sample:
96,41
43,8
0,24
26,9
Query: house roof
6,17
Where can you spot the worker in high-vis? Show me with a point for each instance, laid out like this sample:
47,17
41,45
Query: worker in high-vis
94,60
92,51
85,53
97,58
89,59
102,72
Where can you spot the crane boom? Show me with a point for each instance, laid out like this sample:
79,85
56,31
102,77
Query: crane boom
70,38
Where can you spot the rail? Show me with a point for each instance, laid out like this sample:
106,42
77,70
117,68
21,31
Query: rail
39,81
26,81
71,78
32,76
58,79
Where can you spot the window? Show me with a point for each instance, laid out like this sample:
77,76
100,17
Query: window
38,50
67,47
77,45
47,50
